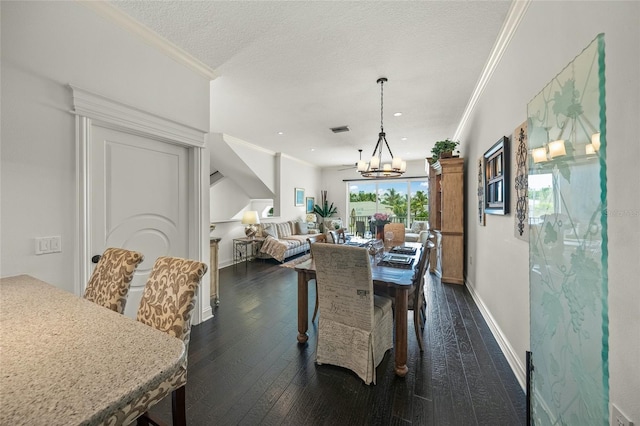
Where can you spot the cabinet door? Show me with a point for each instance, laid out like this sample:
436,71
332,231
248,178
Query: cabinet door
452,202
452,258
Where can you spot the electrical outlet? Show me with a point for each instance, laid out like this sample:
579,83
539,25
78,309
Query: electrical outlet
619,419
470,260
45,245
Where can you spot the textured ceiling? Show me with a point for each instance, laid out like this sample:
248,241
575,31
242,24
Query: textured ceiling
301,67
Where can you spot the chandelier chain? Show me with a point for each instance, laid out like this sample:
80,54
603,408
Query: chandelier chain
381,105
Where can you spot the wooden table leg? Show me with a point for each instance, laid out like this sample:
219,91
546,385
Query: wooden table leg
400,347
303,307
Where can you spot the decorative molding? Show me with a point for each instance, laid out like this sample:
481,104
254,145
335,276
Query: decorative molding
508,351
125,21
113,114
514,16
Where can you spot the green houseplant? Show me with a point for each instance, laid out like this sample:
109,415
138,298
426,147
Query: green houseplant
443,147
324,209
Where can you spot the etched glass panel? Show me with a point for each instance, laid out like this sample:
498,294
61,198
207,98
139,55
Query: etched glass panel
568,245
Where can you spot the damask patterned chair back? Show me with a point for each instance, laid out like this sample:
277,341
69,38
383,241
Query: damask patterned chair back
110,280
167,303
170,296
398,232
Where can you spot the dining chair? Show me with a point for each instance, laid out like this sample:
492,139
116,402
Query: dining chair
398,232
110,280
167,303
417,303
355,329
317,238
360,228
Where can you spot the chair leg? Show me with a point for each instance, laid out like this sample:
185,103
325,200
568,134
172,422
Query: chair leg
315,310
417,327
178,407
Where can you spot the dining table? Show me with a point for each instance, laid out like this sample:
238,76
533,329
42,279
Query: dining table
67,361
401,279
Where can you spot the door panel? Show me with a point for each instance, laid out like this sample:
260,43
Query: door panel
139,200
568,247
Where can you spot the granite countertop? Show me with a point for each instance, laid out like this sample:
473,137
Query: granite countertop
68,361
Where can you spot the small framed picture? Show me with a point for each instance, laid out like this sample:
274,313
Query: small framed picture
298,197
311,201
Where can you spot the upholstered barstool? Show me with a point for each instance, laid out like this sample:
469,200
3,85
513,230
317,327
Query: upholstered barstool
110,280
167,303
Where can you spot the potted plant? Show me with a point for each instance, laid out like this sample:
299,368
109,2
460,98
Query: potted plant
324,209
443,149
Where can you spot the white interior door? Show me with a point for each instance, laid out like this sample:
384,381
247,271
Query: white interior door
138,200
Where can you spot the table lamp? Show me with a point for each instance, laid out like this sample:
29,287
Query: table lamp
250,218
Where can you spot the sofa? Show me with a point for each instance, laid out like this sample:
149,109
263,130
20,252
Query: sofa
285,239
418,232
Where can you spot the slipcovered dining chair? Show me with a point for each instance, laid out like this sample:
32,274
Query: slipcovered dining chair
110,280
398,232
167,303
355,329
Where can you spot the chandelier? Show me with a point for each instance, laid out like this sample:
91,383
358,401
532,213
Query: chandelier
374,168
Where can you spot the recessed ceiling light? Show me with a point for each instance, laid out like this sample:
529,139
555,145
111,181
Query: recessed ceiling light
397,114
281,133
313,149
403,139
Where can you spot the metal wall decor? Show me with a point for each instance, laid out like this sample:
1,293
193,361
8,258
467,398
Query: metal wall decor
481,215
521,210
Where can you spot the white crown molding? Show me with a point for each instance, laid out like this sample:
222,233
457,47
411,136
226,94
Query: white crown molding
117,115
116,15
514,16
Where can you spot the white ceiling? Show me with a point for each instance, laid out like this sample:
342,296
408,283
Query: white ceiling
302,67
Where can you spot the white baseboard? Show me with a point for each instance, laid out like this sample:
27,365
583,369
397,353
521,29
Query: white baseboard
512,358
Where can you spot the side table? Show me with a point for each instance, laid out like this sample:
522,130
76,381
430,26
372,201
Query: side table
246,249
213,270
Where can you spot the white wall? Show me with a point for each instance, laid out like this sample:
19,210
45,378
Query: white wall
45,46
550,36
289,173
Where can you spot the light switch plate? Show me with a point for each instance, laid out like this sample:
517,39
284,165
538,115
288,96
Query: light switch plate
619,419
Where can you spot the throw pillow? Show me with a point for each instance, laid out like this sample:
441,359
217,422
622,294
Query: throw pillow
270,230
301,228
284,229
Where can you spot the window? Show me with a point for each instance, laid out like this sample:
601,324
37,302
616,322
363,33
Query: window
405,200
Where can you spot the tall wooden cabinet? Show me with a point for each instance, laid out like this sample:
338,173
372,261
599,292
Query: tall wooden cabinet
446,214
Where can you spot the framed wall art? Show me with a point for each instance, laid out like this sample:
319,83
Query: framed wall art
298,197
311,201
496,178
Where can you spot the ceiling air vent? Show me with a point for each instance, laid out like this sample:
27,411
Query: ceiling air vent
340,129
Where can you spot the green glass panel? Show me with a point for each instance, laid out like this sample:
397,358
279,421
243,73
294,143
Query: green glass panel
568,245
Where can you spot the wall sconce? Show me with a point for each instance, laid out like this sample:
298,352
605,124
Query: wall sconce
595,141
539,155
556,149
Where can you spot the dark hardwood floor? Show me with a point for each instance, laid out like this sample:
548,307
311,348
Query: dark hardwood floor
246,366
